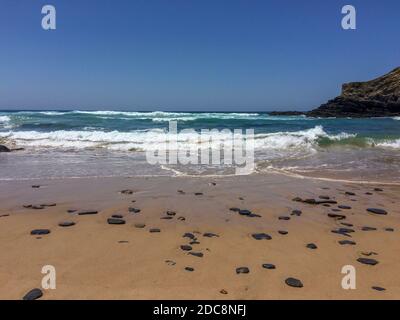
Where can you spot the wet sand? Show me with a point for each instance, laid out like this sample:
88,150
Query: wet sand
98,260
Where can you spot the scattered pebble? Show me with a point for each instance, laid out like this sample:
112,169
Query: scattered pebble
389,229
292,282
66,224
196,254
115,221
243,270
344,207
210,235
186,247
296,213
33,294
40,232
368,261
189,235
311,246
127,191
368,229
377,211
349,193
347,242
261,236
190,269
154,230
133,210
89,212
171,213
223,291
284,218
283,232
170,262
378,288
268,266
139,225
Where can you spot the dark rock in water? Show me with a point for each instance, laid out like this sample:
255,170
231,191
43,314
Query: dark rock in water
283,232
311,246
40,232
378,189
268,266
242,270
89,212
66,224
210,235
196,254
336,216
36,186
375,98
378,288
369,193
117,216
344,207
198,194
377,211
4,148
389,229
115,221
347,242
154,230
190,269
368,261
261,236
33,294
234,209
349,193
296,213
133,210
245,212
284,218
292,282
139,225
171,213
126,192
368,229
189,235
186,247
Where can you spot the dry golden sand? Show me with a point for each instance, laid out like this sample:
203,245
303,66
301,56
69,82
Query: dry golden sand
91,263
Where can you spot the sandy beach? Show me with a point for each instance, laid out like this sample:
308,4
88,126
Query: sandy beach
98,260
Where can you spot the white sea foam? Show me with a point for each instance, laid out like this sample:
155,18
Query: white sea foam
155,139
396,118
394,144
4,119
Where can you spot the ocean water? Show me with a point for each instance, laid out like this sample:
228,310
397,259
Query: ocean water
114,143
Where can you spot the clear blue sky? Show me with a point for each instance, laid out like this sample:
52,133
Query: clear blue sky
191,54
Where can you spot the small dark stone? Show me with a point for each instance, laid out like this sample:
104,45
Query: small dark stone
118,216
245,212
89,212
369,193
297,199
223,291
123,241
347,242
166,218
268,266
368,229
346,224
253,215
198,194
344,207
336,216
284,218
377,211
196,254
389,229
349,193
311,246
4,149
296,213
181,218
66,224
127,191
326,205
189,235
378,288
40,232
37,207
283,232
35,186
186,247
181,192
261,236
139,225
378,189
133,210
72,210
242,270
368,261
33,294
154,230
292,282
170,262
234,209
210,235
171,213
368,254
115,221
190,269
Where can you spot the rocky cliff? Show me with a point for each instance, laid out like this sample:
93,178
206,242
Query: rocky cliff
376,98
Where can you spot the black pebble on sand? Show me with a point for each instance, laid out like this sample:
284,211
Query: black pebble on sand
349,193
186,247
190,269
171,213
347,242
189,235
377,211
261,236
344,207
133,210
268,266
167,218
40,232
139,225
284,218
311,246
33,294
292,282
378,189
154,230
368,261
196,254
115,221
198,194
127,191
88,212
234,209
242,270
378,288
283,232
389,229
336,216
66,224
210,235
118,216
36,186
296,213
72,210
368,229
181,218
244,212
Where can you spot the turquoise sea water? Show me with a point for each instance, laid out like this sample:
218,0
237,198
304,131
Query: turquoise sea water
108,143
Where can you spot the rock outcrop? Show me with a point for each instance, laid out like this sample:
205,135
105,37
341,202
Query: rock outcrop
376,98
